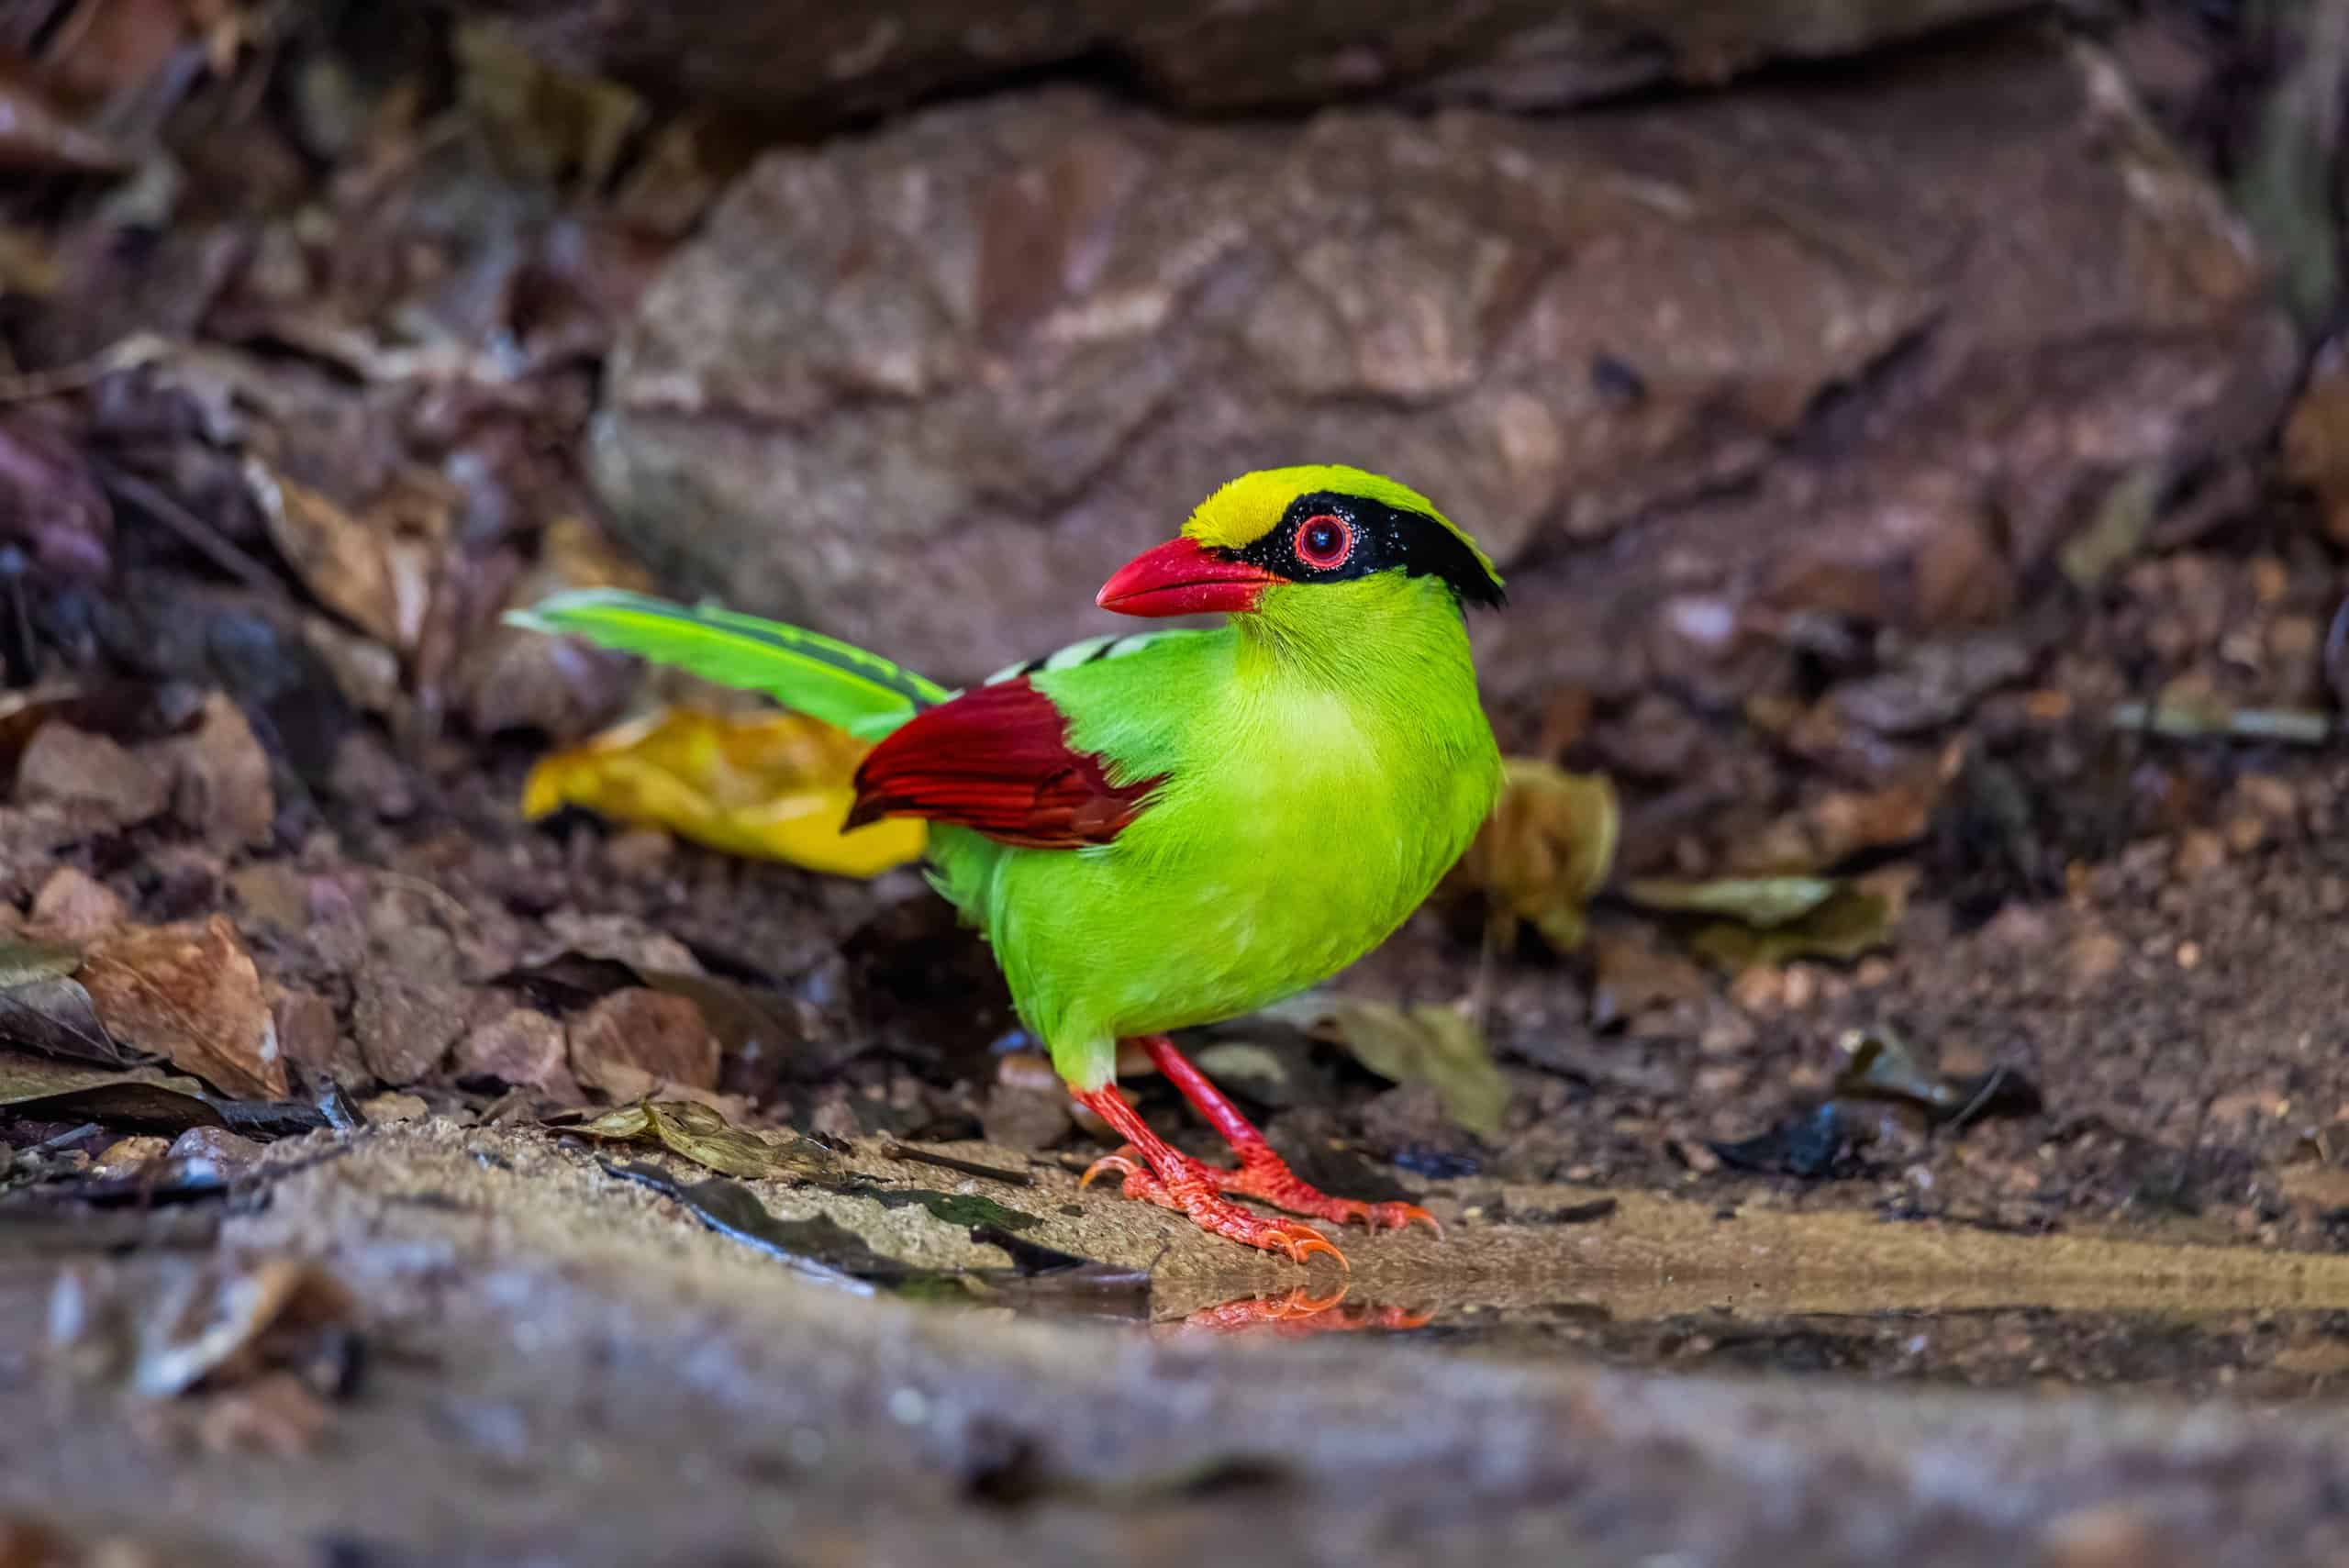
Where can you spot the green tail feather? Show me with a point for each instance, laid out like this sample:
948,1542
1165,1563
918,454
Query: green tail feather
804,671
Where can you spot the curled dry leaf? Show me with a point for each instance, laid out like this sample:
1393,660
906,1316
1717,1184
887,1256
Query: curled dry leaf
1546,851
769,785
703,1136
1878,1064
1437,1046
1776,919
61,1091
636,1039
373,571
191,995
44,1008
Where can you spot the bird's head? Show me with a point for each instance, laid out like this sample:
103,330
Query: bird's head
1294,547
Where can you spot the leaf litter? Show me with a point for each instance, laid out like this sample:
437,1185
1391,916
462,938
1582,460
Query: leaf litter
701,1135
820,1248
44,1008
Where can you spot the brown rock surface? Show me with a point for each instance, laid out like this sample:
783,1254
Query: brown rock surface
812,62
1872,348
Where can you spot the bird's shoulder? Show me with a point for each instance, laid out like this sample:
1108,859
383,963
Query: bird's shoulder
1095,651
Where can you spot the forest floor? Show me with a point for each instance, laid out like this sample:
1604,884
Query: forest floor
2002,1222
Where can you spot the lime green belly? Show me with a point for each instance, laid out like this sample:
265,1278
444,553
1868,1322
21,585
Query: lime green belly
1210,905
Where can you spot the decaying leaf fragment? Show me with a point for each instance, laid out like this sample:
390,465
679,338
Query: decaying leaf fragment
1546,851
1438,1046
1745,922
374,575
190,993
44,1008
703,1136
1879,1064
767,785
35,1086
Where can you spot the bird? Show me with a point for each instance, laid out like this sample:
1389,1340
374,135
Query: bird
1178,827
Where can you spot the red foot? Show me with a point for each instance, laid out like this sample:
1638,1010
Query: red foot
1262,1173
1192,1188
1265,1174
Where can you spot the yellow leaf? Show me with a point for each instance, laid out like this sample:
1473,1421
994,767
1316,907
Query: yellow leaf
1546,851
766,785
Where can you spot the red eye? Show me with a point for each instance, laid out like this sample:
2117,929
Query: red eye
1324,541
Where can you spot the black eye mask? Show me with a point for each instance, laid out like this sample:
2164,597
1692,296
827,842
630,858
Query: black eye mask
1326,536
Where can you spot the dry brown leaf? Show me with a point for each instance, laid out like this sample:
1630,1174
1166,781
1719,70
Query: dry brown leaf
1438,1046
1546,850
224,788
636,1037
706,1138
338,559
191,995
520,1046
44,1008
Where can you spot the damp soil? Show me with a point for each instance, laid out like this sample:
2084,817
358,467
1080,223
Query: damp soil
561,1366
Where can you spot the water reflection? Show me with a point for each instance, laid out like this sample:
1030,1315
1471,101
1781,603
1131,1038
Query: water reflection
1297,1314
2253,1353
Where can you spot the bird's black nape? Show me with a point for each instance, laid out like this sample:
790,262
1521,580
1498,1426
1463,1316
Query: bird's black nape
1326,536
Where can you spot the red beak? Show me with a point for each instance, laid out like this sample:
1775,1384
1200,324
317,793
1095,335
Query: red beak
1182,577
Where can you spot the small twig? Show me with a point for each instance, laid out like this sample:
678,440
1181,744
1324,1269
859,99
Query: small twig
896,1150
139,349
2303,727
62,1139
193,530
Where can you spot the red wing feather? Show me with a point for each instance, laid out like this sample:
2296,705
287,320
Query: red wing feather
997,759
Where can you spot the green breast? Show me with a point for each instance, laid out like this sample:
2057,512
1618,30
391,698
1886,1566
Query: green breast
1303,819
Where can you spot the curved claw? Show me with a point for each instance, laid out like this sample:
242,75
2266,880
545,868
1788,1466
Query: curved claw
1301,1246
1401,1216
1123,1162
1300,1304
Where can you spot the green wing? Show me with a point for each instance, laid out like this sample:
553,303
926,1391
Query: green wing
818,675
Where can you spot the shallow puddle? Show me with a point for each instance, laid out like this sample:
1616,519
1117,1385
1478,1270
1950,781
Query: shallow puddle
2248,1352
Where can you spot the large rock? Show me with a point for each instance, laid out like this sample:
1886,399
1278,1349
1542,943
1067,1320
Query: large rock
815,62
1869,346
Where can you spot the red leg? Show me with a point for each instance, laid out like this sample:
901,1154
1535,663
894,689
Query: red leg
1262,1173
1176,1181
